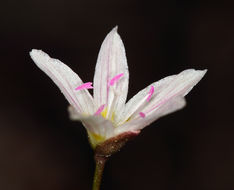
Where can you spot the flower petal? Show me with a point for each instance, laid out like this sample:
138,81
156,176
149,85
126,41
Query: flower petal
73,114
66,80
98,128
139,101
179,87
139,123
168,95
111,75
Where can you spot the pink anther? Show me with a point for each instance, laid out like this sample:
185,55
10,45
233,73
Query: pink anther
87,85
115,79
100,109
142,114
150,93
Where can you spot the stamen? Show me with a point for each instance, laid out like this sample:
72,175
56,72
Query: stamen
150,93
115,79
87,85
100,109
142,114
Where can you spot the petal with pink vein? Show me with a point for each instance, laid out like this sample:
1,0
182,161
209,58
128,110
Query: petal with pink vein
111,66
66,80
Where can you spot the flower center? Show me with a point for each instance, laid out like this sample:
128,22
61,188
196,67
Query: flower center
104,114
102,110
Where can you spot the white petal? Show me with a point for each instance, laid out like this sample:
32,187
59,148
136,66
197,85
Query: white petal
95,124
73,114
180,86
139,123
138,102
168,96
98,126
110,63
66,80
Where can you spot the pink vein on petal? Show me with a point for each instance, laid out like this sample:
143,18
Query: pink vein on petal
142,114
150,93
100,109
87,85
115,79
165,100
65,90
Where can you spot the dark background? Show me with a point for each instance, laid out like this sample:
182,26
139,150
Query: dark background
41,149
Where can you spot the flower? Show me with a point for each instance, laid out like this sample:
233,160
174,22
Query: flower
106,114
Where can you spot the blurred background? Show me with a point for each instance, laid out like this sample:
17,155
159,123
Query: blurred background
41,149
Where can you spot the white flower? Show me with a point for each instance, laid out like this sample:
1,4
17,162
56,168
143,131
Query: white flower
106,114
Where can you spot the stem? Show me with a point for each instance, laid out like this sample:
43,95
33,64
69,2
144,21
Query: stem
100,164
105,149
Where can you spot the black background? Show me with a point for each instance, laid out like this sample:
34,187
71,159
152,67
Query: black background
41,149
